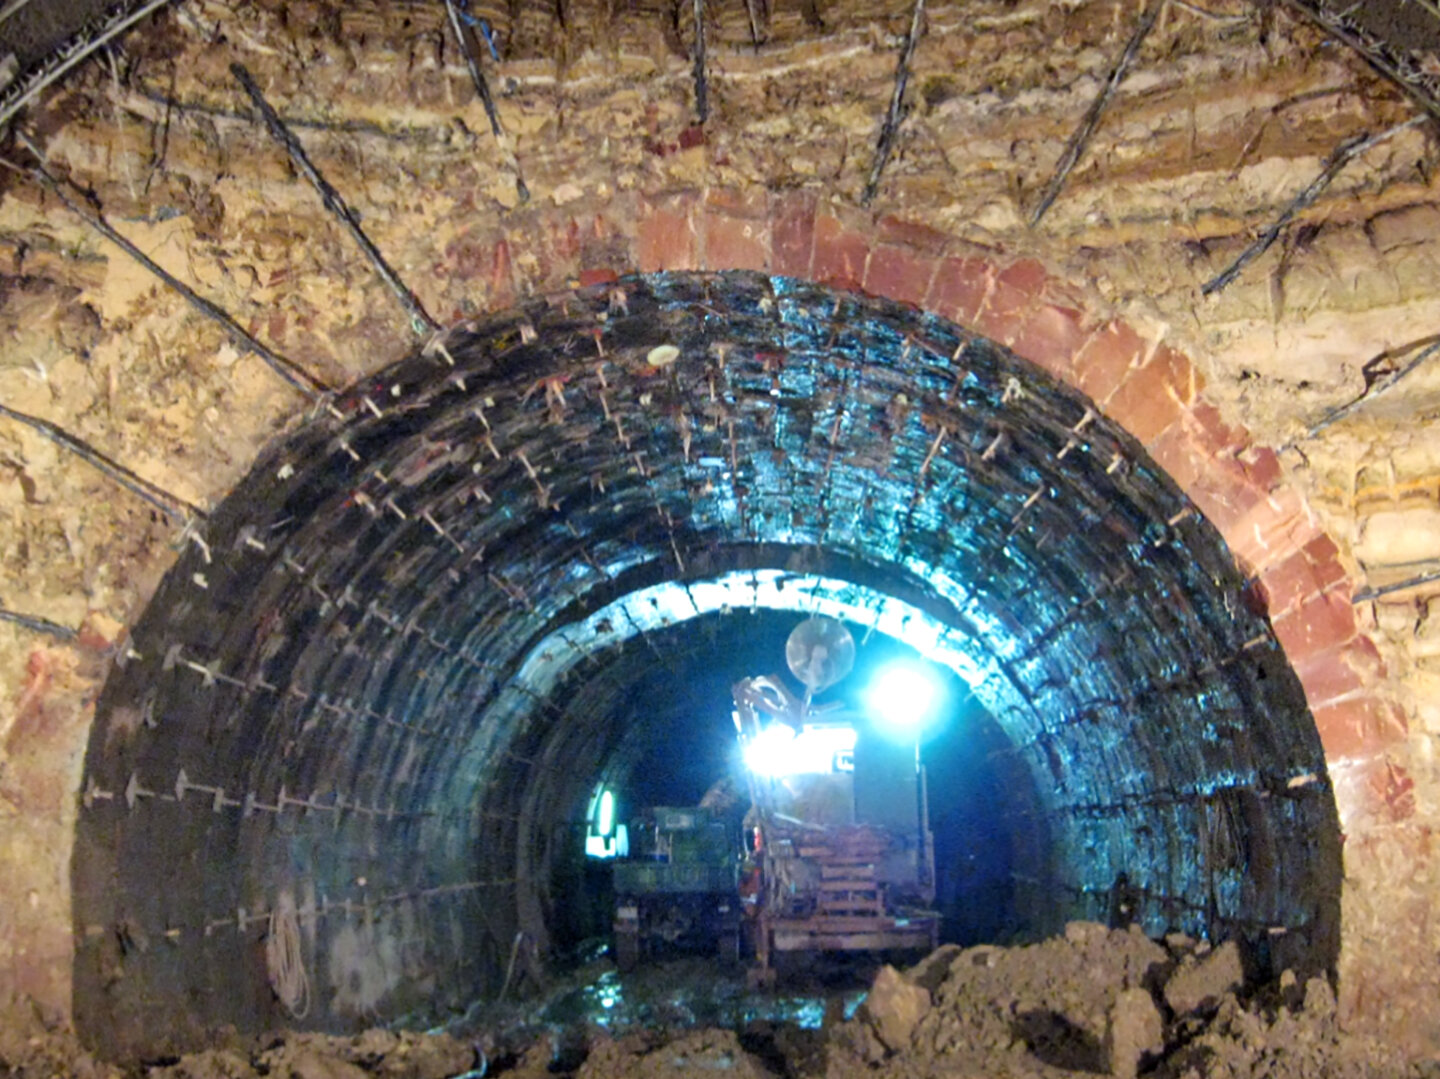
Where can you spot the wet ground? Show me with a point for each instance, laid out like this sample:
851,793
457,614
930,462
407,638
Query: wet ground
693,993
1093,1001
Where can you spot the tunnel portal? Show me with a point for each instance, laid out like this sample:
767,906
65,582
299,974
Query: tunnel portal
365,710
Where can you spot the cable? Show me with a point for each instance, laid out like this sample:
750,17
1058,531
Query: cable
283,959
11,8
510,970
67,56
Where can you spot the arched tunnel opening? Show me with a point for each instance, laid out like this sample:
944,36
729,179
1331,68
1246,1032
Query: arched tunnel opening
377,691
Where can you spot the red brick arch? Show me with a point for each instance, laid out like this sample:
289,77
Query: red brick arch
1150,388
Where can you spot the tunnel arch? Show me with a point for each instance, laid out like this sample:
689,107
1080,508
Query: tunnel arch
329,698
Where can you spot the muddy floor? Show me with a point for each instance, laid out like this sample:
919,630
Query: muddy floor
1091,1002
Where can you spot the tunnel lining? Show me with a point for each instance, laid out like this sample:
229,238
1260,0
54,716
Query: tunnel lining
379,575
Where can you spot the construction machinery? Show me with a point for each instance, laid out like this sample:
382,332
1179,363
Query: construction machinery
838,828
836,852
676,890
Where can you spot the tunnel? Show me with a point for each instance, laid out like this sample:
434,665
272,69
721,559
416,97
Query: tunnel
372,698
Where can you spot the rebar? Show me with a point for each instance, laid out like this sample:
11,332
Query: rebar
754,17
1382,386
173,506
891,124
39,625
1398,586
1380,55
1342,155
287,369
702,92
71,55
11,8
1083,134
470,49
421,322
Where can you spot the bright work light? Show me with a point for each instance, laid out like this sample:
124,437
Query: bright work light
604,836
816,750
903,698
769,752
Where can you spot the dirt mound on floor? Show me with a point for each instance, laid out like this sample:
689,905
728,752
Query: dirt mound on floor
32,1047
37,1045
1099,1001
701,1052
376,1053
1094,1001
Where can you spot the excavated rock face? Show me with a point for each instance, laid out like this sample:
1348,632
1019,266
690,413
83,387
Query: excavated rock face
407,635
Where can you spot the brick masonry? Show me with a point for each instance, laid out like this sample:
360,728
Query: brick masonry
1148,386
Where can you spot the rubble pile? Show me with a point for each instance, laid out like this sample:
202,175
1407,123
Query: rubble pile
698,1053
1100,1001
36,1043
35,1047
1094,1001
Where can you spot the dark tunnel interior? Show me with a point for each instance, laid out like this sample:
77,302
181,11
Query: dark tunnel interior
679,742
376,692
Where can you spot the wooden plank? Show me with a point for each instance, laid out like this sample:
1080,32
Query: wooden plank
786,941
834,870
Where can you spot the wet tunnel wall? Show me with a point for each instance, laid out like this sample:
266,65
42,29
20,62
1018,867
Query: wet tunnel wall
368,699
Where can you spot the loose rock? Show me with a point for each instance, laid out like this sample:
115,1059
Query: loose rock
1136,1031
1093,1001
1200,984
895,1007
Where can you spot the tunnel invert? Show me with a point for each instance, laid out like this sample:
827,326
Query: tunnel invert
372,696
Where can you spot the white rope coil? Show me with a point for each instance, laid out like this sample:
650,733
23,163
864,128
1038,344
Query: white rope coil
283,959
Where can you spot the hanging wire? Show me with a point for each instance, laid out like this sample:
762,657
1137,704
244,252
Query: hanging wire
284,959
